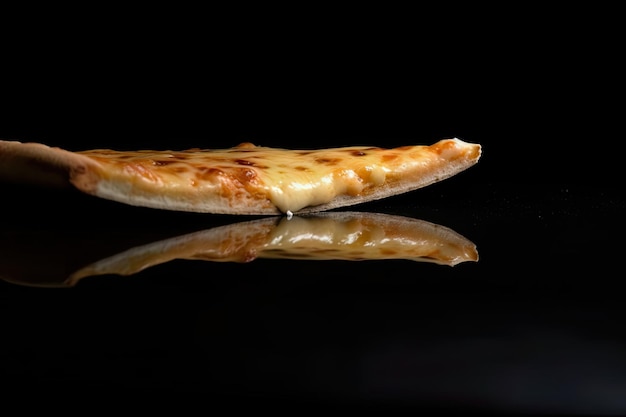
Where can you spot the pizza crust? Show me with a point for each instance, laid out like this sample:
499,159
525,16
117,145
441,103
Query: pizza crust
225,182
36,163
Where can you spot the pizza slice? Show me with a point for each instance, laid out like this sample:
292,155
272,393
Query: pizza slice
345,236
245,179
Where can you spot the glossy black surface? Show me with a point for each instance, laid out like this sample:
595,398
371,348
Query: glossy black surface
536,326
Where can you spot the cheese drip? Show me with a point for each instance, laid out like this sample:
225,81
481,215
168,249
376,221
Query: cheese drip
306,190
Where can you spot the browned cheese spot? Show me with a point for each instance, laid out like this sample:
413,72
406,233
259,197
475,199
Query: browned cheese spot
388,157
206,173
250,163
104,152
245,175
358,153
328,161
244,162
137,169
441,147
161,162
238,182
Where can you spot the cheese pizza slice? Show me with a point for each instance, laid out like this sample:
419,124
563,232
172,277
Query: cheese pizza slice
245,179
342,236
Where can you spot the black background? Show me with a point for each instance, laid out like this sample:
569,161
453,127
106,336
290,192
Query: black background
535,326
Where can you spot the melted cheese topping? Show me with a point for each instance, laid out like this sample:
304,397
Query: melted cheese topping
289,179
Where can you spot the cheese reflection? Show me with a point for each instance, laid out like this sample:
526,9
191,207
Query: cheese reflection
349,236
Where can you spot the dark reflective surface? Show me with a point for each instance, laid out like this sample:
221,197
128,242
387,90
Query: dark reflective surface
536,325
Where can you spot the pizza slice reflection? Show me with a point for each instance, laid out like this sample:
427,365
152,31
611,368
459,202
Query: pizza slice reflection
347,236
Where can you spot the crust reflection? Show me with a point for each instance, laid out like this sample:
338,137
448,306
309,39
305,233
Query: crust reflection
345,236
